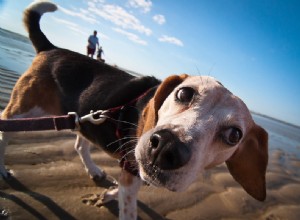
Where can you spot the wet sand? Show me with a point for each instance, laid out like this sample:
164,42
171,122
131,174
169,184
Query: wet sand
49,182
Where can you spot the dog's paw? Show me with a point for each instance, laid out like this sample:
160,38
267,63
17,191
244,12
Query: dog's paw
96,173
109,195
5,174
98,177
4,214
99,200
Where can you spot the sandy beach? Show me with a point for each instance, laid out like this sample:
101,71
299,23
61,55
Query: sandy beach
49,182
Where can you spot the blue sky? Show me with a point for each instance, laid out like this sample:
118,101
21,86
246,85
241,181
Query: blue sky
251,46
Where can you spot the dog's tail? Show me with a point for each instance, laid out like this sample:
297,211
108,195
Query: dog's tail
31,19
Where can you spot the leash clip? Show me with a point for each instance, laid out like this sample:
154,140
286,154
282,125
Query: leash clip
96,118
77,125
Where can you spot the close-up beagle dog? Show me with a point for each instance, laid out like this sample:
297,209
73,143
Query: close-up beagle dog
163,132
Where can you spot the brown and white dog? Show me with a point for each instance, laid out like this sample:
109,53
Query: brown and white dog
184,124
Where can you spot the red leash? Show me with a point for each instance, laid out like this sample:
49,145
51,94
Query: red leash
39,124
65,122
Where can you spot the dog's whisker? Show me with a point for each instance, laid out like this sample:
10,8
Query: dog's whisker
198,71
211,69
131,151
119,149
116,141
120,139
131,137
126,152
121,121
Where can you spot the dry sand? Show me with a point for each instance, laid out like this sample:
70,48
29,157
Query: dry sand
50,182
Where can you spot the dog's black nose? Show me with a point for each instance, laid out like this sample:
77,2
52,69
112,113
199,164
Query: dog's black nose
167,151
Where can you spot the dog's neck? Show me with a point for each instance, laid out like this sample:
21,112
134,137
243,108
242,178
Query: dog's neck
126,112
126,128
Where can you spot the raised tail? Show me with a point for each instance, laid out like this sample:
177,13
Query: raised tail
31,19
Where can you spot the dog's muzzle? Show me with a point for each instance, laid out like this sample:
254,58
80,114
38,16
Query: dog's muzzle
166,151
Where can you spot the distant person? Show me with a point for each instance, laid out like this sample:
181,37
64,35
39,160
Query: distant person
99,55
92,44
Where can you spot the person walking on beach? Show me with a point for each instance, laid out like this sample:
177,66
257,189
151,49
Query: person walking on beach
92,44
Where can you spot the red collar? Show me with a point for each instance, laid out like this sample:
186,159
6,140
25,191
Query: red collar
118,108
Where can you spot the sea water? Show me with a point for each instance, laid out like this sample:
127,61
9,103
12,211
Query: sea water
282,136
16,51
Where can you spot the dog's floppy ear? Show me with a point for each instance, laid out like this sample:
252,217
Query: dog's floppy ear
150,112
249,163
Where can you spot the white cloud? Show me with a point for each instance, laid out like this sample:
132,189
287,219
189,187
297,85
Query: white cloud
66,22
70,25
171,40
131,36
145,5
75,27
78,30
83,15
98,1
120,17
159,19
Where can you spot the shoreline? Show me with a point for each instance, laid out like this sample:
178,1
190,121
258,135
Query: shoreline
275,119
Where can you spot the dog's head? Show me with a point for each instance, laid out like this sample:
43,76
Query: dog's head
195,123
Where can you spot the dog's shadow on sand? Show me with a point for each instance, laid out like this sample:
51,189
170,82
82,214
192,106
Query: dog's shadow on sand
49,203
59,212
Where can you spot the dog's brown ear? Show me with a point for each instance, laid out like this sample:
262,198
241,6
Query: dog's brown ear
150,113
249,163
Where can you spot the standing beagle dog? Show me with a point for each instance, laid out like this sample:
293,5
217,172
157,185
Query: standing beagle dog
184,124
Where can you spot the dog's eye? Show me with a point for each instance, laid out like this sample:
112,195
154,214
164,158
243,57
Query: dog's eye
232,135
185,94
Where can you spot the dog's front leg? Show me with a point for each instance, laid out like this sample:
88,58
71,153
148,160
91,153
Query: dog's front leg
82,146
129,186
